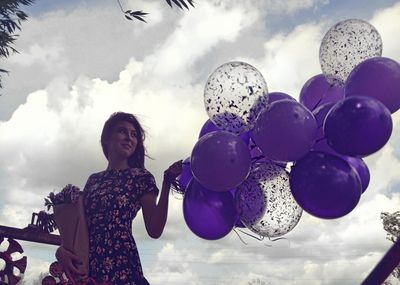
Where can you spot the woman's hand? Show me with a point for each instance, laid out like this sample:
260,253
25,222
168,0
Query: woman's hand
68,261
173,172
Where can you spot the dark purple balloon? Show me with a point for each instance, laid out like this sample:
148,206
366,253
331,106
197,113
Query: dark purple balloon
238,222
220,161
318,91
361,168
276,96
186,174
209,127
358,126
210,215
320,114
322,146
377,77
285,131
325,185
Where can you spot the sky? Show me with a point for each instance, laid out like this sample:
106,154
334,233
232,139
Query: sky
80,61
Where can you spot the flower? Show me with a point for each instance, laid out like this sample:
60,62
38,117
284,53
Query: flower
69,194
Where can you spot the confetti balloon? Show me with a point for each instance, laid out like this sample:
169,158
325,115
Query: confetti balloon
265,203
345,45
234,95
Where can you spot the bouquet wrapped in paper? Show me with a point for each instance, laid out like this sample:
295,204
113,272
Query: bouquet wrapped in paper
69,215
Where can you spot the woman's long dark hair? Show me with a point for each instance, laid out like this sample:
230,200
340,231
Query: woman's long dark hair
136,160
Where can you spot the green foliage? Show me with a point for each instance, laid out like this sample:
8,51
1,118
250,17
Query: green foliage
10,21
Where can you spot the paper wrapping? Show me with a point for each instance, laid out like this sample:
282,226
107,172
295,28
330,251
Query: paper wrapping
71,222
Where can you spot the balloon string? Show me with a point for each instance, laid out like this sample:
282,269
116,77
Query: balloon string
239,236
261,238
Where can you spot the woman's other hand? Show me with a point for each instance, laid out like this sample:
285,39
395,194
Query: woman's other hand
68,261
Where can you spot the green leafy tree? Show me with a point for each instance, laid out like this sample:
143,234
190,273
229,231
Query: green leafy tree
391,224
11,17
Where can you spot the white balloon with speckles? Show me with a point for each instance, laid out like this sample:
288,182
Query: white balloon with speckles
345,45
234,96
265,203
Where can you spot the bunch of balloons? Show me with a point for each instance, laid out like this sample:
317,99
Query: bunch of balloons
262,158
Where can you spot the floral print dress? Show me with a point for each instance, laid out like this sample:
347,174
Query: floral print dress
112,200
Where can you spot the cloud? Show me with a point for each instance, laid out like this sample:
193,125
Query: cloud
383,23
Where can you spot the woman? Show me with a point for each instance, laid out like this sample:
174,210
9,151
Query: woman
112,199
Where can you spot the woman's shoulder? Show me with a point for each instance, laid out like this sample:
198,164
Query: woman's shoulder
139,172
96,175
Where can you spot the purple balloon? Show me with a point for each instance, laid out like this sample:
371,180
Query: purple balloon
320,114
238,222
285,131
325,185
377,77
358,126
322,146
220,161
318,91
276,96
210,215
209,127
186,174
361,169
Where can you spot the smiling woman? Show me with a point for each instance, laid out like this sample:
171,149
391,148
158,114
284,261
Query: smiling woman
112,199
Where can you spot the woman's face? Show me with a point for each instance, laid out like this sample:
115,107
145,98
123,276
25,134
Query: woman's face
123,141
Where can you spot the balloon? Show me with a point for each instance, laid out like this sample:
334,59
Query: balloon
379,78
276,96
234,95
220,161
361,169
358,126
345,45
318,91
210,215
238,222
320,115
209,127
265,203
325,185
285,130
186,174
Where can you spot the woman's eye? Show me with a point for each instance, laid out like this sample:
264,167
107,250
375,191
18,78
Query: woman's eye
122,131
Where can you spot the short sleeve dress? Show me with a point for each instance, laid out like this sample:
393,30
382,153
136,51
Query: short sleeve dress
112,200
